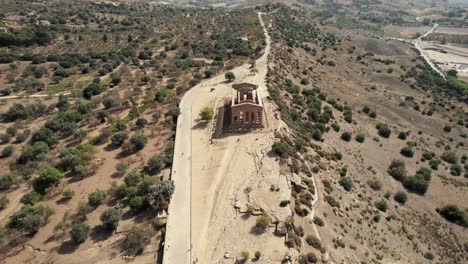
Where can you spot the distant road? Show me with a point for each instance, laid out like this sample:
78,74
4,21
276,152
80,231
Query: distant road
416,43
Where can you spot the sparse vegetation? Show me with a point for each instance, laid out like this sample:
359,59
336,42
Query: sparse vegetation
206,113
79,233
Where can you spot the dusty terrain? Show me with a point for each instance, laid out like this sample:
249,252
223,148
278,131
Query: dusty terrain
328,78
448,57
351,231
226,176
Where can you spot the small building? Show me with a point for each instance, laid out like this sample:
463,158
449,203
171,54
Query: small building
246,106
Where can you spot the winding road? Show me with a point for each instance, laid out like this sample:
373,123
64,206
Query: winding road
178,242
416,43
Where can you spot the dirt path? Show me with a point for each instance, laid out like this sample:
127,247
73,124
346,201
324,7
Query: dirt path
12,205
178,242
417,44
32,96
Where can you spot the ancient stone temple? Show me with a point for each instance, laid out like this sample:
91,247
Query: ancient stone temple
246,106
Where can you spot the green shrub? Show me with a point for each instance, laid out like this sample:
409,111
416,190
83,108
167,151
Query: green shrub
7,181
434,163
4,138
92,90
366,109
318,221
360,138
281,148
229,76
48,178
3,203
348,115
397,170
407,151
453,214
338,155
206,113
15,112
30,218
455,170
317,134
335,127
118,138
428,255
136,203
400,197
31,198
7,151
416,184
258,254
96,197
314,242
79,233
110,218
381,205
375,184
346,183
450,157
84,209
156,163
376,218
136,240
428,155
262,223
384,130
138,141
346,136
46,135
68,194
141,122
133,178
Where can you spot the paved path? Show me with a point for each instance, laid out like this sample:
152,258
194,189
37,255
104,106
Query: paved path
418,41
178,241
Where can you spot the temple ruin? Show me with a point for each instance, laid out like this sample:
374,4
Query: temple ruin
246,106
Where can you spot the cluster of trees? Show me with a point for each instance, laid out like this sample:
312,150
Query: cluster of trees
27,37
30,218
140,191
454,214
417,183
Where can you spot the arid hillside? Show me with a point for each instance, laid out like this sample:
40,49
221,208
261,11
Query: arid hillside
387,146
90,94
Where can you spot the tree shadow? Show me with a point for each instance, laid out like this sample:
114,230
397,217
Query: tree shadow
200,125
100,233
111,147
272,154
257,231
128,215
117,174
67,247
63,200
245,216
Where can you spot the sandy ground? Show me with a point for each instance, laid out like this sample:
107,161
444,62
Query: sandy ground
225,174
234,172
404,32
452,30
455,58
